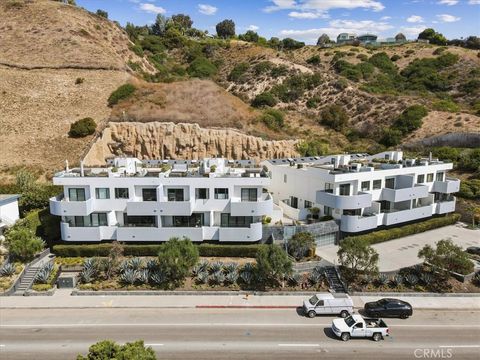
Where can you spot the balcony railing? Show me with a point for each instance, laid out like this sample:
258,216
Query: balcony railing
395,216
59,206
397,195
252,208
356,223
361,200
242,234
450,185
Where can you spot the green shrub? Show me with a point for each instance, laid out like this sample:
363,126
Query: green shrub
22,243
313,102
334,117
79,81
236,75
295,86
314,60
262,67
410,119
395,57
175,258
362,57
398,232
391,137
446,105
447,257
264,99
383,62
280,70
108,349
314,147
121,93
470,189
82,128
300,244
201,67
274,119
137,49
471,86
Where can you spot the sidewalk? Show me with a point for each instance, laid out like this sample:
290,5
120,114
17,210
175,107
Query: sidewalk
63,299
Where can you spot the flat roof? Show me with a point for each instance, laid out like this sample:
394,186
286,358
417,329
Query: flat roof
8,198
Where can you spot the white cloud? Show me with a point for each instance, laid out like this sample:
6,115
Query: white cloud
207,9
323,5
415,19
448,2
383,18
412,31
474,2
253,27
447,18
304,15
150,8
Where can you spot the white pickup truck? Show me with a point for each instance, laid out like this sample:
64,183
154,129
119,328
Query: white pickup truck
356,326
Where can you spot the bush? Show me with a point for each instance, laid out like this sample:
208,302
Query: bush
237,72
264,99
300,244
334,117
470,189
201,67
383,62
395,57
79,81
108,349
272,264
362,57
262,67
82,128
410,119
121,93
278,71
273,119
314,147
295,86
398,232
314,60
446,105
176,257
447,257
391,137
22,243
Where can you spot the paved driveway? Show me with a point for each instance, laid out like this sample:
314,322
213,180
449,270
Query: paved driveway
399,253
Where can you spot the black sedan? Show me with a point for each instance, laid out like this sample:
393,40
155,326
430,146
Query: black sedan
475,250
388,308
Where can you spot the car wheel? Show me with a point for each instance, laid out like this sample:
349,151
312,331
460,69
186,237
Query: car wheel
311,314
377,337
345,336
344,314
404,316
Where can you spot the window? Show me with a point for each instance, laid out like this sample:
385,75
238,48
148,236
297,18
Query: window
321,303
149,194
221,194
235,221
294,202
420,179
365,185
390,183
308,204
344,189
121,193
430,177
439,176
377,184
139,221
195,220
329,188
384,206
327,211
201,193
285,178
249,194
94,219
102,193
352,212
76,194
175,195
359,325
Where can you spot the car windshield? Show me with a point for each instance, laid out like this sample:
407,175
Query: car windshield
349,321
382,302
313,300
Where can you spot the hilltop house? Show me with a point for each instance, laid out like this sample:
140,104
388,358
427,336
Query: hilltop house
367,39
346,38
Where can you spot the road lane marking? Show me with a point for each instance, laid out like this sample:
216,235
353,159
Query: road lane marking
2,345
299,345
459,346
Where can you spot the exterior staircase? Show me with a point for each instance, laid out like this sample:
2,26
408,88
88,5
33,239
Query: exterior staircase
336,284
27,280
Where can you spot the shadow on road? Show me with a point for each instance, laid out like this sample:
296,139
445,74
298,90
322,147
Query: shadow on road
300,311
329,333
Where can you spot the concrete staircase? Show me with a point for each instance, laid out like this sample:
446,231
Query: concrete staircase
334,280
27,280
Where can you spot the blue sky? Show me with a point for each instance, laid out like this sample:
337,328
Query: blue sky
305,20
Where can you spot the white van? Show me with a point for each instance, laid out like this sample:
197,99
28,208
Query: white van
327,303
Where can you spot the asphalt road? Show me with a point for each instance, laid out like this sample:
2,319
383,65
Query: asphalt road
232,334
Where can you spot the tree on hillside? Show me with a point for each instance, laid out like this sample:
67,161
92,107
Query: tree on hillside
108,349
182,22
358,256
323,39
250,36
334,117
160,25
473,42
176,257
273,264
300,244
225,29
447,257
102,13
291,44
433,37
22,243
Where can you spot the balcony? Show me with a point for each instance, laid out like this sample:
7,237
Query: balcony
399,216
355,223
59,206
176,208
93,234
403,194
444,207
450,185
359,201
241,234
143,208
158,233
252,208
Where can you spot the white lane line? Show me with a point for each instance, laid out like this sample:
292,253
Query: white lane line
2,345
459,346
299,345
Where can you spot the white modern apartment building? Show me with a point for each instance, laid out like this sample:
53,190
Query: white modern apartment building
155,200
362,191
9,213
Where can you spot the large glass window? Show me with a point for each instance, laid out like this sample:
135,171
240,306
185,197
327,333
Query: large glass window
430,177
139,221
344,189
327,211
294,202
195,220
439,176
76,194
102,193
235,221
377,184
201,193
420,179
390,183
308,204
149,194
221,193
175,195
121,193
365,185
249,194
94,219
329,188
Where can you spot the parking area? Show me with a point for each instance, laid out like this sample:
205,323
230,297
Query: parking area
400,253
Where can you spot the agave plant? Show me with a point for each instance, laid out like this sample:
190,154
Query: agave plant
231,277
152,265
411,279
143,276
295,279
248,267
204,266
314,277
135,263
217,277
246,276
202,277
426,278
397,280
382,279
124,266
198,268
157,277
90,263
216,267
7,269
129,277
231,268
87,275
44,273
